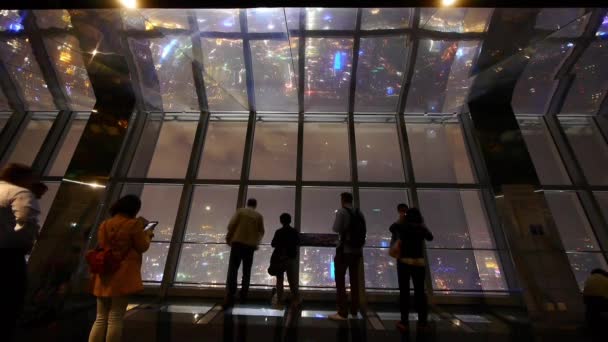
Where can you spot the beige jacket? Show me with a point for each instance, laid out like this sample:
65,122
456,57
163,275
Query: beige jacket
246,227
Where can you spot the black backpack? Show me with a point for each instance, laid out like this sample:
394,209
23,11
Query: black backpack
357,231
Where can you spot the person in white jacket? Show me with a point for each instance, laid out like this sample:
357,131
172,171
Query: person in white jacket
19,210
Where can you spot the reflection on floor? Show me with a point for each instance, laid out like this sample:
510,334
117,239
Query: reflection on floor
206,321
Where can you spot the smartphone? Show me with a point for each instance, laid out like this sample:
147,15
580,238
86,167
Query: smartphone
151,225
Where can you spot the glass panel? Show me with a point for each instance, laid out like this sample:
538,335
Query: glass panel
173,64
223,150
203,264
31,139
274,151
590,148
10,20
330,18
270,19
317,267
222,20
571,221
53,19
66,55
64,154
379,206
4,117
456,218
328,70
453,270
326,155
602,31
589,86
385,18
602,199
274,73
173,148
224,73
544,154
378,153
490,274
22,66
380,269
380,73
210,211
272,202
159,202
583,263
319,207
153,262
450,161
455,19
450,64
535,86
47,200
569,21
153,18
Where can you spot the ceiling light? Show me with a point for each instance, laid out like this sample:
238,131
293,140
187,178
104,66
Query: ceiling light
129,3
448,2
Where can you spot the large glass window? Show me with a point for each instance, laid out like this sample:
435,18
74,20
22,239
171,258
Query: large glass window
576,233
275,65
27,145
275,146
319,207
590,148
47,200
379,206
564,22
385,18
380,73
602,198
4,117
224,73
211,208
450,63
326,156
378,153
64,155
330,18
461,256
18,58
317,267
173,147
455,19
544,154
159,202
221,20
172,57
153,262
223,150
439,153
328,70
272,202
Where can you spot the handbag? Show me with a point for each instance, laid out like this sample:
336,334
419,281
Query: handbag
104,261
395,250
278,263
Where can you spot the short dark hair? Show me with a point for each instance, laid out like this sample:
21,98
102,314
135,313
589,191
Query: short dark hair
252,202
402,207
17,174
128,205
414,216
599,271
347,197
285,219
39,189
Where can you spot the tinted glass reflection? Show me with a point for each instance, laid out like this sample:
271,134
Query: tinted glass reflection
274,151
564,22
53,19
380,74
328,70
317,267
224,73
153,262
455,19
571,221
149,19
210,211
602,199
380,209
221,20
583,263
385,18
64,155
590,148
453,270
589,86
319,206
330,18
47,200
441,76
380,269
31,139
325,155
272,202
378,153
173,148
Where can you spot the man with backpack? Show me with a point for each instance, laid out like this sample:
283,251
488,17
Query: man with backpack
350,226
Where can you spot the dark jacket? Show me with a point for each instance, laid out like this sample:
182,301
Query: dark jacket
412,236
286,241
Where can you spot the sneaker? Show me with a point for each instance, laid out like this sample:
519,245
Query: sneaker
403,328
337,317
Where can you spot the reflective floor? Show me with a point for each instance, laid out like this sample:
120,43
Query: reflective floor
258,322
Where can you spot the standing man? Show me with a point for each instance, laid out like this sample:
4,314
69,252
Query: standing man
245,231
350,226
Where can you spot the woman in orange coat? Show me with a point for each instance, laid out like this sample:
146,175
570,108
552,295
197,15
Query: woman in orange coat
125,236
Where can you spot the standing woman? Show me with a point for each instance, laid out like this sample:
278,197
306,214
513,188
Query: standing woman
125,236
412,232
19,227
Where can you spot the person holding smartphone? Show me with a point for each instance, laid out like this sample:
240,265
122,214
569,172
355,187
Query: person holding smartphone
127,238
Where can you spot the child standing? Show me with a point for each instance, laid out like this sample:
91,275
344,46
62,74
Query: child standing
285,242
